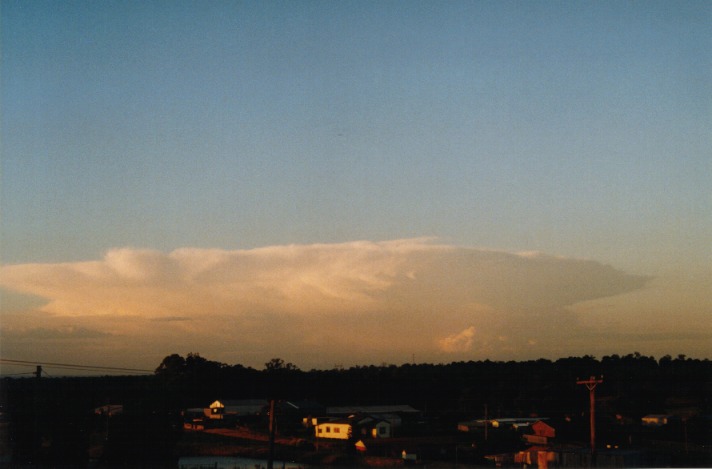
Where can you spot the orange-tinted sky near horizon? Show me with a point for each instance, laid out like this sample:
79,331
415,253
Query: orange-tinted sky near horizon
348,303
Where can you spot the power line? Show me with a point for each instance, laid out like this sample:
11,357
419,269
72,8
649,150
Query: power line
72,366
19,374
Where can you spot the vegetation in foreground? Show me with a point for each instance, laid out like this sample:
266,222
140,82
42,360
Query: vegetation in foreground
51,420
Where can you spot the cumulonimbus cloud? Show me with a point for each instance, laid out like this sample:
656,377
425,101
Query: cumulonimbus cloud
404,291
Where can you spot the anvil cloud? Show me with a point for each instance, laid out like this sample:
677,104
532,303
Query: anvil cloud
351,302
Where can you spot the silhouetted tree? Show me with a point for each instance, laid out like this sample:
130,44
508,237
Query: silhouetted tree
172,365
277,364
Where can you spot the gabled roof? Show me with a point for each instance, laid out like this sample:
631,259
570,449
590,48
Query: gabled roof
543,429
301,406
238,402
335,422
362,420
239,407
372,409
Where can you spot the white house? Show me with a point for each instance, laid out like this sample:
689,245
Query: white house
335,429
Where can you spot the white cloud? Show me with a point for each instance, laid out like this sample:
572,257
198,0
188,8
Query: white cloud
362,300
460,342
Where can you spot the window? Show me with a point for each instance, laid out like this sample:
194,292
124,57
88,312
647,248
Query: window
337,430
382,430
328,429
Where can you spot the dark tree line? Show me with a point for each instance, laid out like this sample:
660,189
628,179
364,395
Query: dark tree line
56,414
634,384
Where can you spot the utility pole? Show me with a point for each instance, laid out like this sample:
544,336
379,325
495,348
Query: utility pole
272,430
486,422
36,437
591,384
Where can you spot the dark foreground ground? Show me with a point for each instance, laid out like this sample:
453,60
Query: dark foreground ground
433,452
52,422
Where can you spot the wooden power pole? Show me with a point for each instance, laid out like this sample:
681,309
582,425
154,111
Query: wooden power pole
272,431
591,384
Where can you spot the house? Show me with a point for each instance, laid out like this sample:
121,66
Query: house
472,425
382,429
109,409
297,414
373,427
194,419
400,410
236,408
512,423
538,436
361,421
656,420
515,423
396,415
340,429
542,433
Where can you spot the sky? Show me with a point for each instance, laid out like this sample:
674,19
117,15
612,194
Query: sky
356,182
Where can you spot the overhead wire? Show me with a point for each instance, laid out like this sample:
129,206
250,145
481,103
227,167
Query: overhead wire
72,366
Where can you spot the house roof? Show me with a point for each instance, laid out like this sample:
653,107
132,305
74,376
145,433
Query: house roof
370,419
238,402
335,422
240,407
543,429
301,406
109,409
371,409
518,420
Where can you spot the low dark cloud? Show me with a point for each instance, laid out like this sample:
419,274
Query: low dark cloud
171,319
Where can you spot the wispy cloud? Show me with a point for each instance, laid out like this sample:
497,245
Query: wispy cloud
54,333
370,298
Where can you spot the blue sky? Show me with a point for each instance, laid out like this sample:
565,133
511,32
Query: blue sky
577,129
